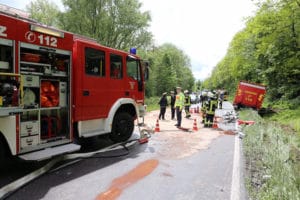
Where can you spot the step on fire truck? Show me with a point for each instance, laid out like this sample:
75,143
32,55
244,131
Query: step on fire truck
57,87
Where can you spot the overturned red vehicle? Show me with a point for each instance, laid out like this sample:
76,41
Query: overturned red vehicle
249,95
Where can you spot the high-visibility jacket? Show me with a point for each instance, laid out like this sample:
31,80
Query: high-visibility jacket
179,102
212,106
187,101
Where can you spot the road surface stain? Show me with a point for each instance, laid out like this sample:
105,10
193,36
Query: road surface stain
229,132
172,143
167,174
119,184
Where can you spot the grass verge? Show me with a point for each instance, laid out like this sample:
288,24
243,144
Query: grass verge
272,159
152,103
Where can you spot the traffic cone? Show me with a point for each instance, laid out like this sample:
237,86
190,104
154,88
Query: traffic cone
215,123
195,128
157,129
191,110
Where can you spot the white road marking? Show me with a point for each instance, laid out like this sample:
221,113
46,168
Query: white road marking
235,184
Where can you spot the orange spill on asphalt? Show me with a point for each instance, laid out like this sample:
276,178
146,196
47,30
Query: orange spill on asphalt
229,132
119,184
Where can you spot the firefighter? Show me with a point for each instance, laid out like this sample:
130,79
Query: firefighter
172,105
163,103
211,106
221,97
187,104
203,104
179,104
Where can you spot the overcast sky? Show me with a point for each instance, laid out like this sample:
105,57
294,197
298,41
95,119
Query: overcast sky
202,28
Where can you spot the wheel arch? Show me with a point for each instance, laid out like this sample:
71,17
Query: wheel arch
122,105
8,134
5,147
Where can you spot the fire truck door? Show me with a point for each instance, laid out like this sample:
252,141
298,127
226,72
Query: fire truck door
94,80
135,85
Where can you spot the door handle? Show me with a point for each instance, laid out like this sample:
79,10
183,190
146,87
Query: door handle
86,93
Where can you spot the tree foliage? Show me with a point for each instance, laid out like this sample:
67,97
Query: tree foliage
43,11
115,23
266,51
120,24
170,67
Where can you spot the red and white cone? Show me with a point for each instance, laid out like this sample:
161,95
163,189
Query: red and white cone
215,123
195,128
157,129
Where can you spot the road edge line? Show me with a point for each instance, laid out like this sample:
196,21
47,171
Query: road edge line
235,183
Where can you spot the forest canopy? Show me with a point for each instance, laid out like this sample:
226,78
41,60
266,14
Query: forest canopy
266,51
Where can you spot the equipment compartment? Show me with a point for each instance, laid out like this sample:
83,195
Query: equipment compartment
6,56
29,141
9,90
46,85
43,62
49,93
31,97
54,124
29,128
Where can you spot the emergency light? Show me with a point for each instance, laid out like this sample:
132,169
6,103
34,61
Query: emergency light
133,51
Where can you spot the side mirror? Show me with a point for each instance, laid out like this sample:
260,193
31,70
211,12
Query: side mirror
146,74
145,65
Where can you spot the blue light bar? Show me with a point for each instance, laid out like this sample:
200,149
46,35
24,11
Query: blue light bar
133,51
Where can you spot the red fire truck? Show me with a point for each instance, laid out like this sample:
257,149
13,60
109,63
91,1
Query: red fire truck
56,87
249,95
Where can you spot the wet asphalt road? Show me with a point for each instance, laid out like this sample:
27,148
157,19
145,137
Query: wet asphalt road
144,172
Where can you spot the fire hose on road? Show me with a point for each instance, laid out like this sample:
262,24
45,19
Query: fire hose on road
17,184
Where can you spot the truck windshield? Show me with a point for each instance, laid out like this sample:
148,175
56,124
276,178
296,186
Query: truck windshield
133,69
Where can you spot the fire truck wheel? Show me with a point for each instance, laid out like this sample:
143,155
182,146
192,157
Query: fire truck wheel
122,128
2,155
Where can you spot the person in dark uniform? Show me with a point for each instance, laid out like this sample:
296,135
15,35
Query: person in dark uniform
173,98
163,103
187,104
221,97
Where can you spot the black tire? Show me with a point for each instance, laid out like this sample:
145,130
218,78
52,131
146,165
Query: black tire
122,127
3,155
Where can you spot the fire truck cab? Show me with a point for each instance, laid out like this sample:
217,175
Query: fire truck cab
110,85
56,87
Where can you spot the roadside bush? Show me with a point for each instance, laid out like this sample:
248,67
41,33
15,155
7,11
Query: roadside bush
152,103
272,160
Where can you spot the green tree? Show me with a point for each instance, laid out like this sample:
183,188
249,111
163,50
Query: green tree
198,85
266,51
43,11
114,23
170,67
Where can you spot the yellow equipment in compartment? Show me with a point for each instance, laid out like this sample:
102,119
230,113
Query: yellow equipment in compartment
20,87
